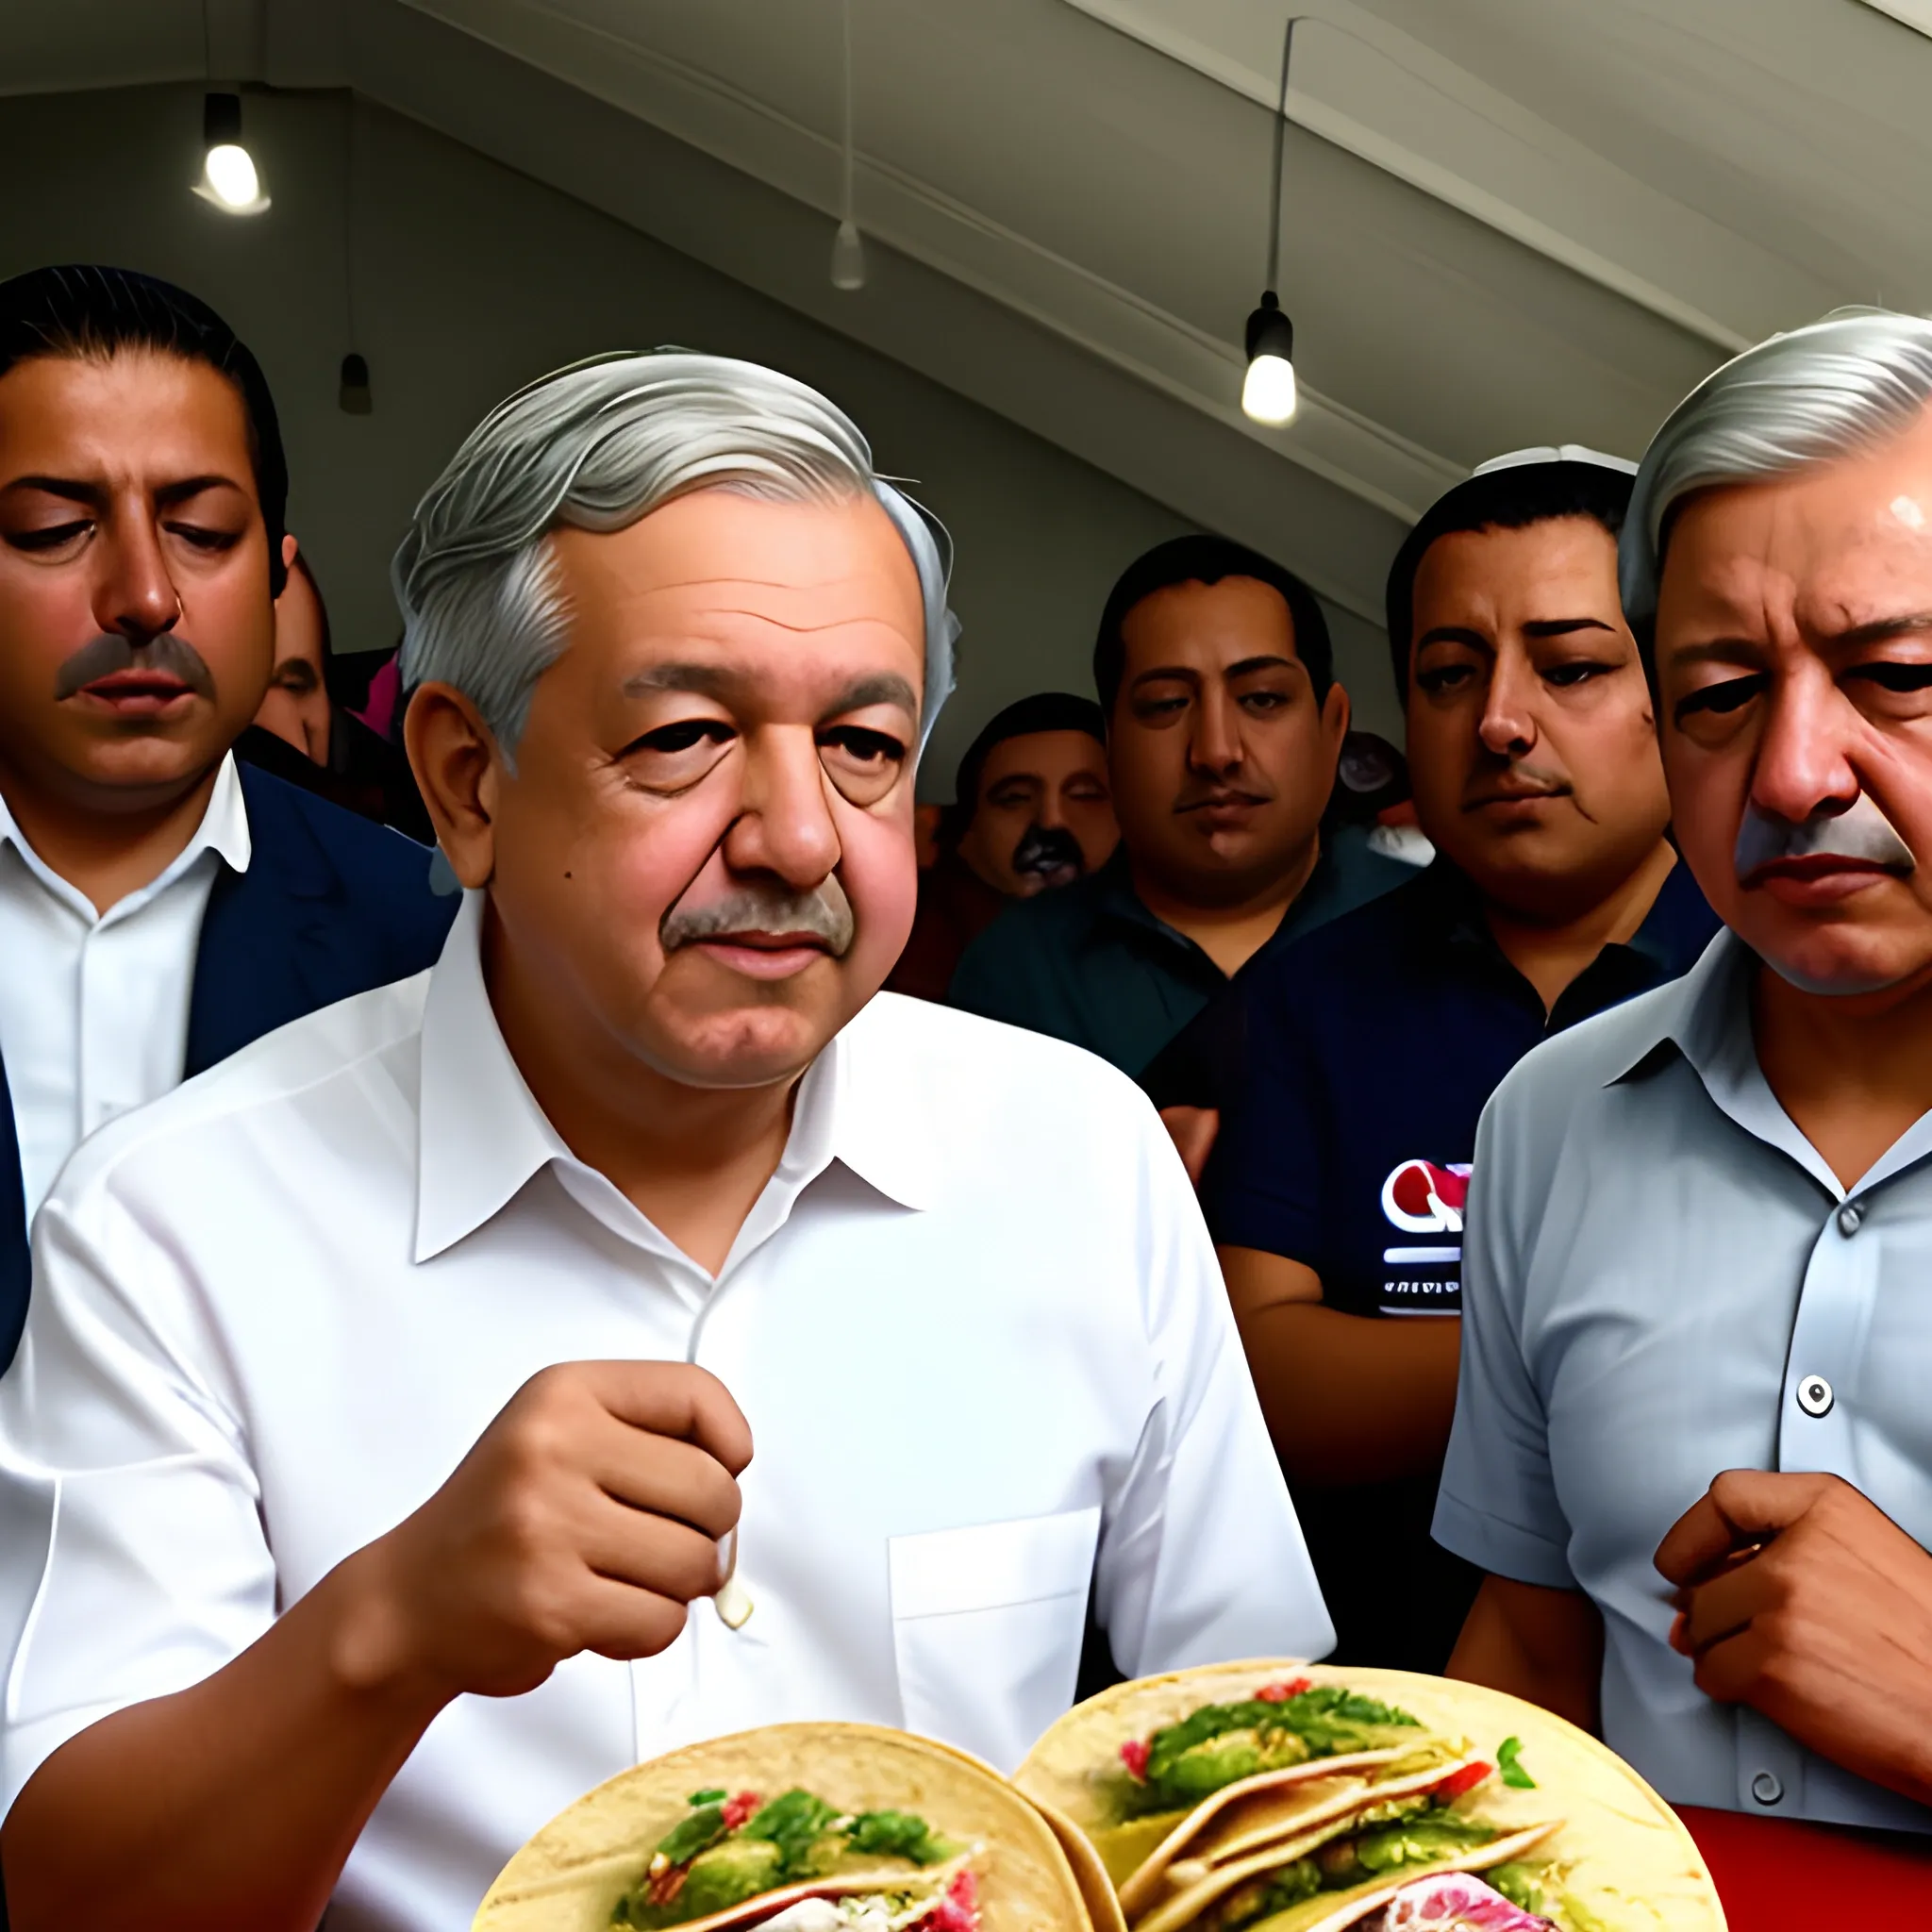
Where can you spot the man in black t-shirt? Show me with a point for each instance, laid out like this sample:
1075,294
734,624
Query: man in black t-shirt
1354,1065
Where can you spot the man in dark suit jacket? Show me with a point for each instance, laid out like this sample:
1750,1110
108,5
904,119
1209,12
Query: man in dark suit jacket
161,907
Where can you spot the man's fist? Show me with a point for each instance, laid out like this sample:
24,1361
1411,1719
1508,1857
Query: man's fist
1801,1598
586,1518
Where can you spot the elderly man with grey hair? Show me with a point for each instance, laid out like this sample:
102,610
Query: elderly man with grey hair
1691,1444
630,1330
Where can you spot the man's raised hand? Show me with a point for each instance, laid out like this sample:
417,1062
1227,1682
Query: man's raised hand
1798,1596
587,1517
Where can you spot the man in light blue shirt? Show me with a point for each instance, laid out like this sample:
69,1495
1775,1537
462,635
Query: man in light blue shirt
1693,1441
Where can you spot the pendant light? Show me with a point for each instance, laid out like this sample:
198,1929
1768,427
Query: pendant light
229,180
849,245
1267,394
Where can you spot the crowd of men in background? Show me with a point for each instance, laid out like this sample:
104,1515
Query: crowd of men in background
1320,960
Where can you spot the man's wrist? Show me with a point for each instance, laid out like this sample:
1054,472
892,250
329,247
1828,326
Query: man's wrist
373,1650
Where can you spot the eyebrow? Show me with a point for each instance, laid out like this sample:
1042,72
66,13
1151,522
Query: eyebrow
73,491
1882,628
1751,654
1246,668
882,688
1741,651
1534,627
1562,627
1453,634
706,680
713,681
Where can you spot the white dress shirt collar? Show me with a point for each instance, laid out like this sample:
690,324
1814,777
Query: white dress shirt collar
482,1135
222,830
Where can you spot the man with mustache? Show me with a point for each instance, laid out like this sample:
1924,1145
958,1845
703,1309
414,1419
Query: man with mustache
1223,725
387,1511
1031,812
1690,1447
1353,1066
158,908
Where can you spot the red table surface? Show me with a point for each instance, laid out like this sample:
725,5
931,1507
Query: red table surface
1778,1875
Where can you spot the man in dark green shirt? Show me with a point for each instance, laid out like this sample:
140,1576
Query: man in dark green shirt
1224,727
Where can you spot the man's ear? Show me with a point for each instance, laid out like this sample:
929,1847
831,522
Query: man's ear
1335,716
459,771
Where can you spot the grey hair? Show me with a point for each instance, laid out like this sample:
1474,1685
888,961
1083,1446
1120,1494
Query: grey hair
598,447
1843,385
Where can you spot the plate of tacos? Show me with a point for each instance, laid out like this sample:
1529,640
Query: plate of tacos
1274,1796
803,1827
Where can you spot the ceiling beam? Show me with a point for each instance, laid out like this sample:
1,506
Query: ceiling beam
1382,95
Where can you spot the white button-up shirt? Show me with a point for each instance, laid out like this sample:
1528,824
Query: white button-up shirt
93,1006
1662,1280
973,1320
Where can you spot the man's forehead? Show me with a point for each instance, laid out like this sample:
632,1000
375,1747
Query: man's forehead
1771,557
1567,574
88,419
1027,754
717,559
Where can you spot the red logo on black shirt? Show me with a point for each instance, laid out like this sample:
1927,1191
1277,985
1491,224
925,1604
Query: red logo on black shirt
1420,1197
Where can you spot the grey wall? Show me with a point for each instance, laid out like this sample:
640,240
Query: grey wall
468,279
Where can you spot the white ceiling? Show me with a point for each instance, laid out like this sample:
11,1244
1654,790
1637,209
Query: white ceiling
1504,221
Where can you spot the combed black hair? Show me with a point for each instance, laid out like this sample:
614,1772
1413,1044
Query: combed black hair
1207,560
91,313
1507,499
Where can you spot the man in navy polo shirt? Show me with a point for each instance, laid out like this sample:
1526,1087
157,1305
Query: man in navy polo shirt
1370,1047
1224,726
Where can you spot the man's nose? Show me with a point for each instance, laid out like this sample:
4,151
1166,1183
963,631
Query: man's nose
1214,742
135,594
783,823
1508,729
1804,754
1051,813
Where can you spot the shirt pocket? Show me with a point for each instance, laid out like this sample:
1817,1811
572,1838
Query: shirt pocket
987,1628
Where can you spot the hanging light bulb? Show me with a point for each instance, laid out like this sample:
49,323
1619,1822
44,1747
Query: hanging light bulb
1267,394
848,244
848,257
229,181
353,393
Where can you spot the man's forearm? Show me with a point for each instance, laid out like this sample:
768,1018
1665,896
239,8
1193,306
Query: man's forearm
1349,1399
1541,1644
230,1804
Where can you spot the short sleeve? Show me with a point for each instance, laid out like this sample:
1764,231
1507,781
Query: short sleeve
136,1562
1268,1185
1497,1505
1202,1558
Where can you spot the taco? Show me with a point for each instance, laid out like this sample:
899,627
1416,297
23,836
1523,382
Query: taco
1254,1751
1410,1781
1317,1876
827,1827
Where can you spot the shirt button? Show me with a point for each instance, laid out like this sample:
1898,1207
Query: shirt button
1815,1398
1766,1787
1850,1217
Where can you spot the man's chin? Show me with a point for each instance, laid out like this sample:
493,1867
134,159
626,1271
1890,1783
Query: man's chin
136,752
717,1027
1845,963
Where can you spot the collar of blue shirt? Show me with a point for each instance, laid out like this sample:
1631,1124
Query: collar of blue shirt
1706,1018
481,1135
